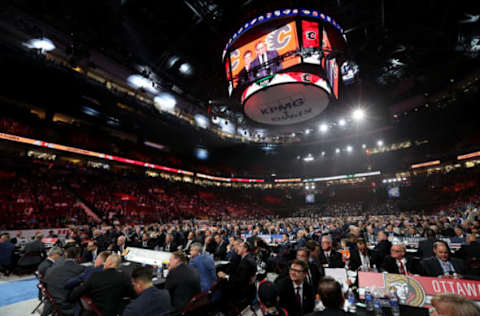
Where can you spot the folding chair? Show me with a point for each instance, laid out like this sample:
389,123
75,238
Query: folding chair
49,298
197,304
89,306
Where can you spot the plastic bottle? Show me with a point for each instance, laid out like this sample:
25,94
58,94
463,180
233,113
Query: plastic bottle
351,306
377,305
369,300
159,272
394,304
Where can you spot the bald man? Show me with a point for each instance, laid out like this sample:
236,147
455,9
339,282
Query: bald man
398,263
106,288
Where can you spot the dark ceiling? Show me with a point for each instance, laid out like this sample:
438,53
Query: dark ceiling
403,48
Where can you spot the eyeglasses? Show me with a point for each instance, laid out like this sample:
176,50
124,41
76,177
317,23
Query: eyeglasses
297,271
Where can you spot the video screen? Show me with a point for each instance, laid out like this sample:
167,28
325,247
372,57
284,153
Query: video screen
260,58
311,41
393,192
310,198
330,65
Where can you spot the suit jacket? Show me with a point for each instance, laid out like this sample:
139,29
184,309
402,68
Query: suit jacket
171,247
382,249
334,261
413,266
6,253
432,267
261,70
106,289
221,251
425,248
182,283
206,269
240,280
151,301
55,280
288,298
186,247
82,277
44,266
35,246
356,262
471,255
245,77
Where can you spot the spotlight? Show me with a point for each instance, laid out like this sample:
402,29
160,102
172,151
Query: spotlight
337,150
323,153
364,146
358,114
43,44
165,102
307,131
186,69
342,122
324,128
380,143
349,148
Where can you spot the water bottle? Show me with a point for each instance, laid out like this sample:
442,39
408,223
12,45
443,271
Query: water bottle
394,304
369,301
377,306
351,306
159,272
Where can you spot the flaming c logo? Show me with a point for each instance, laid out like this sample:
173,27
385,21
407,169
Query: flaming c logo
409,291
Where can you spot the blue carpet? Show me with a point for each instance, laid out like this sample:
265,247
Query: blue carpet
18,291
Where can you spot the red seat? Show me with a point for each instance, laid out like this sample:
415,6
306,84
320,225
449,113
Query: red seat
88,305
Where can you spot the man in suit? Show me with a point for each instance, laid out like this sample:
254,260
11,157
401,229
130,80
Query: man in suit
6,254
425,247
266,61
441,265
296,295
83,277
245,75
183,281
90,253
54,254
150,300
399,264
221,250
382,249
170,245
362,257
313,271
106,288
57,276
34,252
119,246
190,241
210,245
459,237
204,265
330,292
329,258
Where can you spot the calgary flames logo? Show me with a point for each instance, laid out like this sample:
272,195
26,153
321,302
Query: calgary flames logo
409,291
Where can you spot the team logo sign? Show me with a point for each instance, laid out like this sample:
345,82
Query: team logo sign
409,291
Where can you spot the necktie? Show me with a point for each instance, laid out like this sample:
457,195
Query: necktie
402,268
298,297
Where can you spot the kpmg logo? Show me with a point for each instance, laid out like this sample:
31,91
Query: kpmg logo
283,105
287,109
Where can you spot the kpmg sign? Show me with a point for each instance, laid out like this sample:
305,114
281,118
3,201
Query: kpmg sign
287,98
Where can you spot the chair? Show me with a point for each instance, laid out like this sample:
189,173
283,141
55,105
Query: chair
89,306
49,298
41,297
198,304
29,262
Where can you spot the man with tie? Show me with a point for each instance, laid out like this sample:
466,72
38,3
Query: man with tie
296,295
313,272
329,258
246,75
362,258
441,265
399,264
266,62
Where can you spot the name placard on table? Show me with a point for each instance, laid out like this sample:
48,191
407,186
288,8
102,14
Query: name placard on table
146,256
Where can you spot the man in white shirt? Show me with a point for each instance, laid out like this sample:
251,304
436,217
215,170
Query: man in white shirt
398,263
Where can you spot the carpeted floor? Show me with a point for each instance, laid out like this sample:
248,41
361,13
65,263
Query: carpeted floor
18,291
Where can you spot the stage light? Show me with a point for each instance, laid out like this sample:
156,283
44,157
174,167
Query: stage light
307,131
201,120
324,128
323,153
342,122
172,60
138,82
165,102
380,143
349,148
358,114
201,153
44,44
186,69
337,150
364,146
309,158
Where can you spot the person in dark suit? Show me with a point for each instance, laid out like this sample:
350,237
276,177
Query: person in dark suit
312,275
204,265
90,253
34,252
83,277
470,253
296,295
183,281
6,254
382,249
57,276
221,249
106,288
170,245
189,242
330,292
266,61
210,245
399,264
329,258
441,265
425,247
362,257
54,254
246,75
119,246
150,300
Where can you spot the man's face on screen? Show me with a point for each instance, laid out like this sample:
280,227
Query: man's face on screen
261,49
